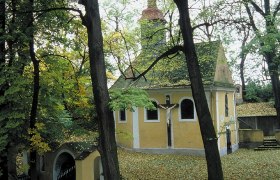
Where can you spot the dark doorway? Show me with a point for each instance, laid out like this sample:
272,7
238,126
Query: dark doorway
169,134
228,134
65,167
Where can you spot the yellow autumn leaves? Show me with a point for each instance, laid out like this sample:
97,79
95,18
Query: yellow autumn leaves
36,140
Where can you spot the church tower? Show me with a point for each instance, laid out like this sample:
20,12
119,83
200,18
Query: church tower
152,27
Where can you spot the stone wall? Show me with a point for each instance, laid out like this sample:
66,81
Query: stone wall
277,135
250,138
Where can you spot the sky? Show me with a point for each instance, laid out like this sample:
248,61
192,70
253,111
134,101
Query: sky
232,49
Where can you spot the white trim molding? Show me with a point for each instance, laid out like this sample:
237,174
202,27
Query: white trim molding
135,127
115,120
218,119
235,120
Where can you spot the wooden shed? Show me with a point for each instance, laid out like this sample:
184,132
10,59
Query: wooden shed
258,116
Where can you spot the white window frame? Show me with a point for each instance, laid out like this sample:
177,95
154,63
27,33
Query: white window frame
120,121
158,114
194,109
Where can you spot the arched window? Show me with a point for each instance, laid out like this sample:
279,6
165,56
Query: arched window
122,115
187,109
226,105
152,114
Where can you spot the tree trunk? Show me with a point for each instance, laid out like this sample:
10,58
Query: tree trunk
11,29
33,113
4,164
107,142
243,56
241,66
2,32
270,54
3,154
276,91
205,121
12,155
35,96
274,75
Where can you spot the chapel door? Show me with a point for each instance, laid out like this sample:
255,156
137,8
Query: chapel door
65,167
228,135
169,138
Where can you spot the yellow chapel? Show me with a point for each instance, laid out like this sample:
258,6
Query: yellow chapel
173,127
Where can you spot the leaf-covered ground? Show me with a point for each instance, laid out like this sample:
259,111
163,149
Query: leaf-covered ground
243,164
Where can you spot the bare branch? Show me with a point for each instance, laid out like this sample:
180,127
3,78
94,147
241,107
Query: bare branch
276,10
119,66
179,36
225,21
56,9
157,31
171,27
84,60
257,8
251,18
126,46
116,57
171,51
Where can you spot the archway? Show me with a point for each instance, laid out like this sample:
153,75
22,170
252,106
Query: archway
64,167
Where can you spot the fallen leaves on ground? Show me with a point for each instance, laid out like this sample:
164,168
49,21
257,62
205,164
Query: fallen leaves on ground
243,164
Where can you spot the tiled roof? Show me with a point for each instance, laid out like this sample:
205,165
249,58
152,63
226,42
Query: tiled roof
173,72
81,149
256,109
152,14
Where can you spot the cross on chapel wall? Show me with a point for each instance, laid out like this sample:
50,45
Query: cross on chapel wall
168,107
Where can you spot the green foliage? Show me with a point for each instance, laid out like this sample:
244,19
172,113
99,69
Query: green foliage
14,106
36,140
3,139
129,98
65,102
258,93
121,36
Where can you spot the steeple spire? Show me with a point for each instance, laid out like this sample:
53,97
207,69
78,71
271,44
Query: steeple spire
152,3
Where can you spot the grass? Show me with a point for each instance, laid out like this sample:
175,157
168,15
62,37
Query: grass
243,164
